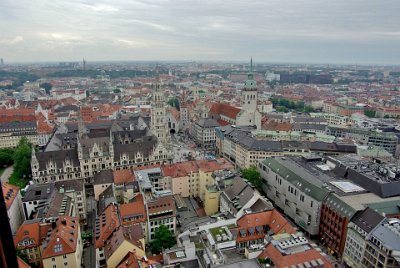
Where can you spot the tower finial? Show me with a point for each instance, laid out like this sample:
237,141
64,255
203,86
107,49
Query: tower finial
251,64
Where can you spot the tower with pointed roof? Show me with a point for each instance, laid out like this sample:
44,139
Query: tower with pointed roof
158,123
249,115
249,93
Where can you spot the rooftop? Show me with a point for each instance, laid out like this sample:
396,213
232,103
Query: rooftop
9,193
38,192
63,239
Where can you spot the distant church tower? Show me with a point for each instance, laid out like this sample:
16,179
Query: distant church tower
249,93
249,116
158,113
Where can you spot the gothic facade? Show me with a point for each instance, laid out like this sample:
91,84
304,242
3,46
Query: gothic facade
118,145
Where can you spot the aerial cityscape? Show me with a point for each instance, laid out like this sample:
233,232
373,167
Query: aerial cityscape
202,148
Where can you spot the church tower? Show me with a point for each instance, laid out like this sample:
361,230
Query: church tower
158,113
249,116
249,92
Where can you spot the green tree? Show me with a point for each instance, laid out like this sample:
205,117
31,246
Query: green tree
174,102
163,239
22,159
22,255
6,157
253,176
47,87
370,113
117,91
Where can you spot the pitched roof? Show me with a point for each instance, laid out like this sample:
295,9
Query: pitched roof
63,238
135,211
10,192
130,261
161,204
224,109
103,177
133,234
182,169
106,224
22,264
28,232
367,220
276,222
280,260
123,176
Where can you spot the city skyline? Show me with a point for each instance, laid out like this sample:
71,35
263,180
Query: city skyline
343,32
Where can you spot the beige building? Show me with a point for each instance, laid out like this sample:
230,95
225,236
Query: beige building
101,181
211,200
63,247
191,178
12,132
123,241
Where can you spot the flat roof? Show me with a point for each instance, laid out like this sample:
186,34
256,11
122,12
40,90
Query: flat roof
347,186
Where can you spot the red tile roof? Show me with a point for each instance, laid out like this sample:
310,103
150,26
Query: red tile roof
109,222
224,109
22,264
273,125
183,169
135,208
63,238
162,204
10,192
29,232
123,176
281,260
276,222
130,261
20,114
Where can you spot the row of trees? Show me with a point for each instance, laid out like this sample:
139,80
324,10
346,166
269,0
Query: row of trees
284,105
18,78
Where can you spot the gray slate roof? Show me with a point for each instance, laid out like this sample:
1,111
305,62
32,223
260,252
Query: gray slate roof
367,220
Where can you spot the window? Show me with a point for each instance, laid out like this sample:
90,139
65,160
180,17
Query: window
64,256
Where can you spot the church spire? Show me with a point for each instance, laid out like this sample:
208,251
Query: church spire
250,83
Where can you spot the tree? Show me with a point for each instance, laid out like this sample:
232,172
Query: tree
174,102
163,239
22,158
253,176
370,113
6,157
117,91
47,87
22,255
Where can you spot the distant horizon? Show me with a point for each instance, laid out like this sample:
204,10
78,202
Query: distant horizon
255,62
356,32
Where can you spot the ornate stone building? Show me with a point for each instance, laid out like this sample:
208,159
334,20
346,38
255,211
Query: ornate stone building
249,115
120,144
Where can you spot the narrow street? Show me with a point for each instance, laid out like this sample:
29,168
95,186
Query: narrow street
89,253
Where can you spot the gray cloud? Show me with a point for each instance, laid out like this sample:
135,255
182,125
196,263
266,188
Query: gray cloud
348,31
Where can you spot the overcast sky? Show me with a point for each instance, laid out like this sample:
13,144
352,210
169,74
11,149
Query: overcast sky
334,31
